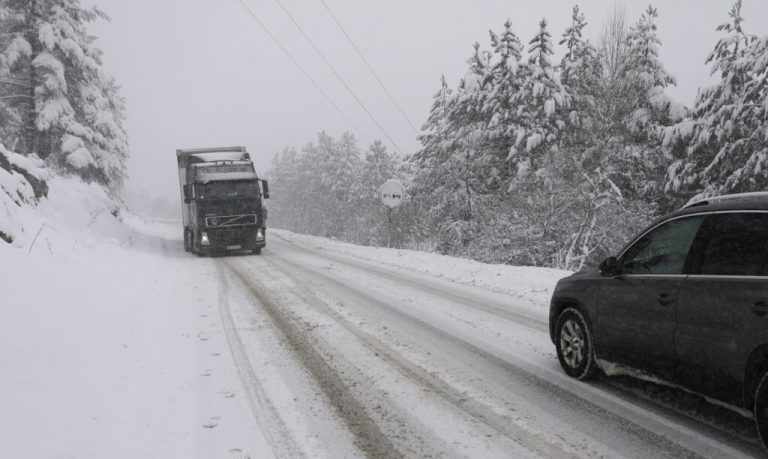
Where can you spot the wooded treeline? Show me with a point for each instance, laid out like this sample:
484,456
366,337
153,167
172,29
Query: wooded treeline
530,161
56,102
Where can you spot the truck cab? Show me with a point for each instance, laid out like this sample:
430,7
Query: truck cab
222,196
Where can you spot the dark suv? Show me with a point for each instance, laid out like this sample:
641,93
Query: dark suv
685,301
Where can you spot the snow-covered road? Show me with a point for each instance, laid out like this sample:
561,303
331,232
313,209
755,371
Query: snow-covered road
314,349
377,360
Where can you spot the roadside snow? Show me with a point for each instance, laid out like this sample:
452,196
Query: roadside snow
529,284
110,340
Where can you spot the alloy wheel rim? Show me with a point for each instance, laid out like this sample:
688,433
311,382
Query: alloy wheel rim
572,343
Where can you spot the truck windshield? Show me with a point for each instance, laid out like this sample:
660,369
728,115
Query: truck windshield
228,190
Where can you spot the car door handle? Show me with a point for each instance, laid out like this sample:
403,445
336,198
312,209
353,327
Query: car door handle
665,299
760,308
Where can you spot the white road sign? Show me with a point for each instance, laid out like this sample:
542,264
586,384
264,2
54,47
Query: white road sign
391,193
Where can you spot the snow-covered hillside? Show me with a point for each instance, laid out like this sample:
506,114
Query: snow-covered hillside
110,343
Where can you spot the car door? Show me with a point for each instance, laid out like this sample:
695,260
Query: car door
637,308
723,305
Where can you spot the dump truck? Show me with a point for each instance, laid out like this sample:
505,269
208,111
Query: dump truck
222,201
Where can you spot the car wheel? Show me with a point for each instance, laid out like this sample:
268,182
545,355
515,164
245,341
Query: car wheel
761,409
573,340
256,251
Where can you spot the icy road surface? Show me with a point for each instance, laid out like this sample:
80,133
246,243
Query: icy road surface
347,356
135,348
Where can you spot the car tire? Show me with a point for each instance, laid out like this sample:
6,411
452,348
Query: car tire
761,409
573,340
256,251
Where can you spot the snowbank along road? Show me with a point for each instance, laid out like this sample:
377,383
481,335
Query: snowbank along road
340,355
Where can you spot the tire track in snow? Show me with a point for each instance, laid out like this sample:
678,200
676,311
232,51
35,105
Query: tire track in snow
536,443
369,437
654,429
264,412
432,288
617,388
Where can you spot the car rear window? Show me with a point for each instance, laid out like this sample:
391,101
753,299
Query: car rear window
737,245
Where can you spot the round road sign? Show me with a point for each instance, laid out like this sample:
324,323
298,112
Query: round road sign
391,193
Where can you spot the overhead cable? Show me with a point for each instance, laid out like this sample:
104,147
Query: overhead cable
304,72
370,67
339,77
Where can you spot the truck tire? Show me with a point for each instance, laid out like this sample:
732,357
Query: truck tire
194,247
187,241
256,251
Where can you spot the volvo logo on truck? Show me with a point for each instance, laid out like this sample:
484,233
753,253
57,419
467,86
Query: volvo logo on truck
222,201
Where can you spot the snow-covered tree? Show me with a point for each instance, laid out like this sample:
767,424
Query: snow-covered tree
579,68
542,105
647,73
379,165
724,146
444,178
51,76
502,114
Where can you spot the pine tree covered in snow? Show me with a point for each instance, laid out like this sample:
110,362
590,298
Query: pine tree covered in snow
453,169
60,104
542,103
528,161
329,189
579,68
504,116
379,165
646,71
645,80
724,146
521,144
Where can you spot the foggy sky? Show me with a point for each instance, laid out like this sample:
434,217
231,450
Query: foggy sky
200,73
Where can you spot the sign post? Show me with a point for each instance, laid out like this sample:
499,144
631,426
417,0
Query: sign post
391,194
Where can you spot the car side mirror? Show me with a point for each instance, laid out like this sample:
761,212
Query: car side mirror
265,187
610,267
187,197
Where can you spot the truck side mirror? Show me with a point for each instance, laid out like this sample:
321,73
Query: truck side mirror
187,197
265,187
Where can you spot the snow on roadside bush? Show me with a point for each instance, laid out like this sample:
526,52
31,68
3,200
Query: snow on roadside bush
22,184
33,199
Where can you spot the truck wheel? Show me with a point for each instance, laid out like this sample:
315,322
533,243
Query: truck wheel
256,251
187,241
194,248
761,409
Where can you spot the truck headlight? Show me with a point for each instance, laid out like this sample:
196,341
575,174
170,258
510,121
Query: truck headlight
259,235
204,239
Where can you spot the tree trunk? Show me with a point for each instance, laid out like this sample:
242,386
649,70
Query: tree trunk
29,119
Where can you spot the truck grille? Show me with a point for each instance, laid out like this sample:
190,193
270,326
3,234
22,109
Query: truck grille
231,236
230,220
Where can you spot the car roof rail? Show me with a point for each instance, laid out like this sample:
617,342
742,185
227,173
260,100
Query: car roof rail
726,197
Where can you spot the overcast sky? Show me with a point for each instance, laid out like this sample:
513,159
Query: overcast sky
200,73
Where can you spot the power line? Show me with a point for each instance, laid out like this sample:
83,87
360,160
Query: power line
296,63
373,72
344,83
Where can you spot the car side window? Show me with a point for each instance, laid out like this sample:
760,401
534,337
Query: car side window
663,250
737,245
